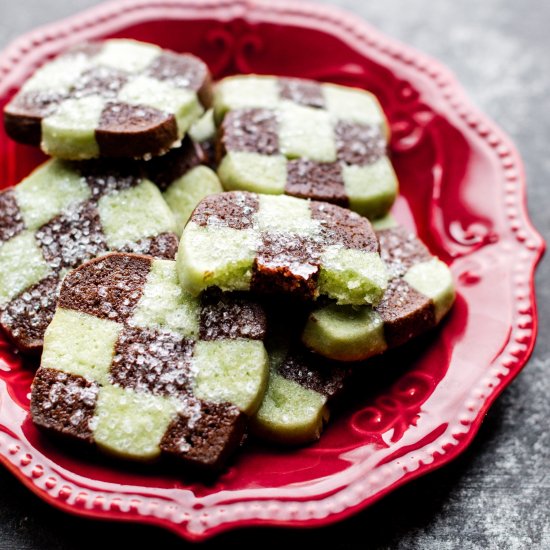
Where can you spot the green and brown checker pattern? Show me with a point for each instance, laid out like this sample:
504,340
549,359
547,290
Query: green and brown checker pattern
301,388
117,98
306,139
60,216
419,294
269,243
140,368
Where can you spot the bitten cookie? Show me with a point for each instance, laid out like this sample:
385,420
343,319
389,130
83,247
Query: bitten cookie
183,179
420,293
118,98
301,387
302,138
60,216
140,368
266,243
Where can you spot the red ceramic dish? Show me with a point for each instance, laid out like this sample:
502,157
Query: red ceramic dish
463,189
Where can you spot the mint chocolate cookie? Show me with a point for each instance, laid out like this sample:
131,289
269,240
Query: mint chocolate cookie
62,215
118,98
140,368
419,294
301,387
183,178
266,243
302,138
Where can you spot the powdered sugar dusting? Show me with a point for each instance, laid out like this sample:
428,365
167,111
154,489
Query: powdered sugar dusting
11,221
27,316
400,250
253,130
36,103
359,144
181,70
64,402
109,287
70,392
299,255
150,361
164,245
303,92
233,210
103,81
105,181
72,237
225,316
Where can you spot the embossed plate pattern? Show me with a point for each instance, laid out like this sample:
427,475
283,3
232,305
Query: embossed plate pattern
462,189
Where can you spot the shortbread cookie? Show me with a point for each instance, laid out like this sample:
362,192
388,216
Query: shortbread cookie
267,244
301,387
269,92
62,215
183,178
140,368
420,293
302,138
118,98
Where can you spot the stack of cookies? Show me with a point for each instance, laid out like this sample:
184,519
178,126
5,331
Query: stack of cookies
196,261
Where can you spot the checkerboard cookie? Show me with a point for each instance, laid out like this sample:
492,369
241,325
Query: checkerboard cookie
420,293
266,243
62,215
140,368
183,178
306,139
117,98
301,387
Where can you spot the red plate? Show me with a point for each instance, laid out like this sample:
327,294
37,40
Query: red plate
463,188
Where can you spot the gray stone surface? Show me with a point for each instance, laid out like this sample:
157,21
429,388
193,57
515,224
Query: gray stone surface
497,494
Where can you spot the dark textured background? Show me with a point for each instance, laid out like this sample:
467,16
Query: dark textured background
497,494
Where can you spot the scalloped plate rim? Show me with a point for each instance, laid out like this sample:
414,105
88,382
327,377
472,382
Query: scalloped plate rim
95,17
